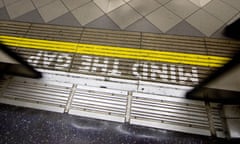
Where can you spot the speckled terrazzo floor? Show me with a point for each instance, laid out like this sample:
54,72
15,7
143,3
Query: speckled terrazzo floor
29,126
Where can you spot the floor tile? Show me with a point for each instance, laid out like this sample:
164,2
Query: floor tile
177,17
233,3
143,25
19,8
40,3
236,17
87,13
32,16
163,1
108,5
67,19
9,2
124,16
221,10
219,33
182,8
144,8
52,10
72,4
1,4
104,22
184,28
200,3
205,22
163,19
3,14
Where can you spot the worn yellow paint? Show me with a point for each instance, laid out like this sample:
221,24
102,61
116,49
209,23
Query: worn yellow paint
117,52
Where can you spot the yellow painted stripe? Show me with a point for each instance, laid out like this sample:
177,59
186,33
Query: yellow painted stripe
117,52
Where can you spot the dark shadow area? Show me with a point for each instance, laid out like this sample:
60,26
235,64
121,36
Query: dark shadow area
221,86
224,84
11,63
233,30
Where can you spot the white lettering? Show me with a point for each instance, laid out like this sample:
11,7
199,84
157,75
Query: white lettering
86,63
33,60
104,65
194,77
48,58
115,71
184,76
156,72
135,70
151,71
63,61
145,71
101,66
173,73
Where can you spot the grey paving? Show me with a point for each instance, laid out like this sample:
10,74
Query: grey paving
143,25
4,14
103,22
67,19
188,17
124,16
32,16
219,33
184,28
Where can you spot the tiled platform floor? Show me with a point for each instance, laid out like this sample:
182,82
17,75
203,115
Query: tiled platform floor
178,17
204,18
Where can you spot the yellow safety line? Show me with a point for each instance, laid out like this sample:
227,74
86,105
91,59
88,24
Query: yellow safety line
117,52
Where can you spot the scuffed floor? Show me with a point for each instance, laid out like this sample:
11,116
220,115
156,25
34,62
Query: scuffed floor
29,126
